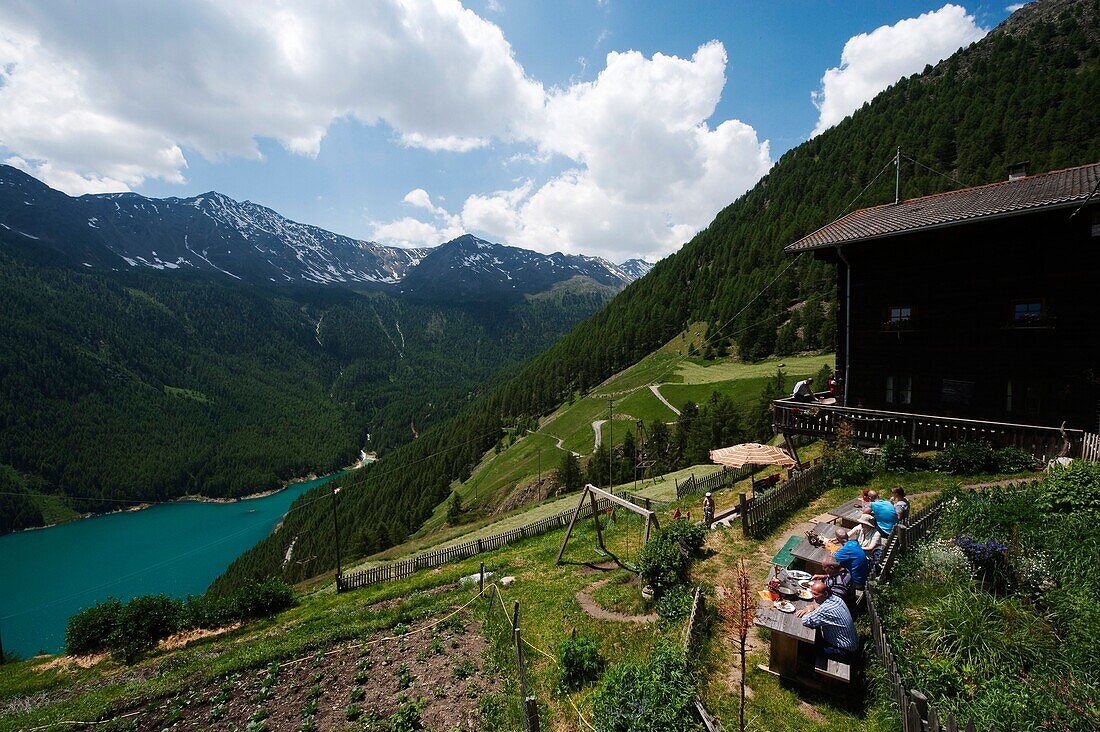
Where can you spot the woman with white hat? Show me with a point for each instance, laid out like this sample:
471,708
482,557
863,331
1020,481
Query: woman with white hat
866,533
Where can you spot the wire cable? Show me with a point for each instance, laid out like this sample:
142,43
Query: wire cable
933,170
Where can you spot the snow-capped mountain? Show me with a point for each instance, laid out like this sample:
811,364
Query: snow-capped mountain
211,232
471,268
246,241
636,268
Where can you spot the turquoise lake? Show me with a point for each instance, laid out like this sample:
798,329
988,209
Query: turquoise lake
174,548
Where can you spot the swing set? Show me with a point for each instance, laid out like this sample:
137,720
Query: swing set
591,493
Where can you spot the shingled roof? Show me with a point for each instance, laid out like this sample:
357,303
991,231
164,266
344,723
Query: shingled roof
1008,198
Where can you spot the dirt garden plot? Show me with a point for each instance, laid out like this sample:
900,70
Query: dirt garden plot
437,674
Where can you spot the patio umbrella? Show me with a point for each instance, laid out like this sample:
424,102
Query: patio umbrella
752,453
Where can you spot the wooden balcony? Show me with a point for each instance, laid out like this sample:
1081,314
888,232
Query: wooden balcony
922,431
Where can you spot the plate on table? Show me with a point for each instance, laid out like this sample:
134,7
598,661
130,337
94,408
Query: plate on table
804,584
805,594
784,606
798,575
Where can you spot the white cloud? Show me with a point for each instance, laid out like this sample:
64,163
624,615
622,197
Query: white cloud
113,91
102,96
870,62
1014,7
410,232
649,172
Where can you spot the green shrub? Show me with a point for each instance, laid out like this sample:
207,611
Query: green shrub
208,611
846,467
1013,460
1073,489
90,630
983,634
142,622
969,458
647,697
262,599
689,535
675,604
580,661
664,560
895,454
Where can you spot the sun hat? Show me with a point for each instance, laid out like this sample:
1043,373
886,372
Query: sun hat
866,519
708,495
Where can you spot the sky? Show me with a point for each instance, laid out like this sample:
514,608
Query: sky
601,127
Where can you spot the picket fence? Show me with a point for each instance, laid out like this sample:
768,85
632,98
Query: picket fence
761,512
1090,447
917,715
714,481
408,567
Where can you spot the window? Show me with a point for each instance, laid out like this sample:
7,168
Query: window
1027,312
957,391
899,389
899,317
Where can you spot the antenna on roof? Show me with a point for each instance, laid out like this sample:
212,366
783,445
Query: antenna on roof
897,176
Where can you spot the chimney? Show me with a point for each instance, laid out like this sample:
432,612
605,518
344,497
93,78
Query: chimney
1018,170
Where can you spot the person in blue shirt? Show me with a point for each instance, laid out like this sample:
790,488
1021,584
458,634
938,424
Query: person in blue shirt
886,516
838,639
851,556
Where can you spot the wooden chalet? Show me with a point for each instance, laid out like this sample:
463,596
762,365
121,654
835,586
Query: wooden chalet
968,314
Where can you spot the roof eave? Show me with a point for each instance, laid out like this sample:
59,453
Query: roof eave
795,249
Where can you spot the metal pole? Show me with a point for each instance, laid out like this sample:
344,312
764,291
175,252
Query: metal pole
540,472
610,445
336,525
897,176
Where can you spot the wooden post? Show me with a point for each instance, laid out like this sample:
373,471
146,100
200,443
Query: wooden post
744,514
481,580
572,520
596,519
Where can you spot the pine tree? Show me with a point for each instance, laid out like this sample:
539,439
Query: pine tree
568,475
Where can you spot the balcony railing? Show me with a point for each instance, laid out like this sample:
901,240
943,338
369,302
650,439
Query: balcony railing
922,431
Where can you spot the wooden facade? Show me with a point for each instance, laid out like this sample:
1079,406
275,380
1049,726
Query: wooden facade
993,319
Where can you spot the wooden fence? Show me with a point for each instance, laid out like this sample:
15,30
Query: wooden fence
761,512
649,504
917,715
922,431
407,567
714,481
694,618
1090,447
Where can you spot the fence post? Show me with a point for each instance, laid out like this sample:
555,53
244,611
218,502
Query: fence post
744,514
530,704
481,580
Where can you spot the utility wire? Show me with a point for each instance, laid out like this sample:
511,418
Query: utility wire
933,170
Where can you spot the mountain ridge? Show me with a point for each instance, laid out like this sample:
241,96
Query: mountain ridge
214,233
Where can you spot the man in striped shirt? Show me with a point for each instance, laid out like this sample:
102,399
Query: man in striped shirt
829,614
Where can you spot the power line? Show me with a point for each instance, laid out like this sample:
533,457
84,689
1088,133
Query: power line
933,170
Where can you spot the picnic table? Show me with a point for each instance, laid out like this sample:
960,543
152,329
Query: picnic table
812,557
848,513
787,632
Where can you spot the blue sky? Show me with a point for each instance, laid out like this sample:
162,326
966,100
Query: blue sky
614,128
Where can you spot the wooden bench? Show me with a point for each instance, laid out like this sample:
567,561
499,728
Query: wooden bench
833,669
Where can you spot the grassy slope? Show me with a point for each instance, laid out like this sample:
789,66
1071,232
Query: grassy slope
681,380
546,592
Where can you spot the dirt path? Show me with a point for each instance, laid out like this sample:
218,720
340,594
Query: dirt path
656,389
595,611
597,427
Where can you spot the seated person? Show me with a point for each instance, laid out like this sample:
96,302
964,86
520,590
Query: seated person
837,639
851,556
901,503
804,391
886,516
838,581
866,533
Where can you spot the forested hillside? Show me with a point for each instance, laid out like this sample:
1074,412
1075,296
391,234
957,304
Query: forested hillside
144,386
1027,91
